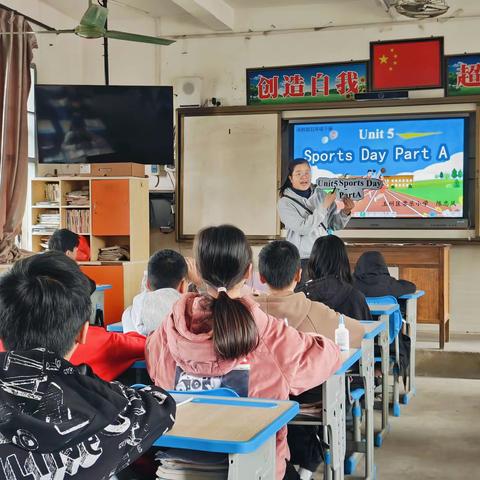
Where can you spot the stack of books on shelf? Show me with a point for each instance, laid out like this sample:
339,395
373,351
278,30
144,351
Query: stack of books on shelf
78,198
52,192
114,254
47,204
48,222
78,221
44,243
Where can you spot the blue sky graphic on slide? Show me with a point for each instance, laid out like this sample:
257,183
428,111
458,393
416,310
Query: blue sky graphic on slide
399,146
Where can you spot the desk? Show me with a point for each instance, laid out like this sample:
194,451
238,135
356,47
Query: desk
384,312
115,327
243,428
411,331
333,415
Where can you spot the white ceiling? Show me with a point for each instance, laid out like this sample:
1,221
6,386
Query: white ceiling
259,14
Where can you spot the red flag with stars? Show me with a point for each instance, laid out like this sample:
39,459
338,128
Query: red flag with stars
406,64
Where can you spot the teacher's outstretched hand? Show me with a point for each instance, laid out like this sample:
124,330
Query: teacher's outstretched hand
307,211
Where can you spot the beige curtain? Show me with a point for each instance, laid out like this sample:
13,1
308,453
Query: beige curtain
15,60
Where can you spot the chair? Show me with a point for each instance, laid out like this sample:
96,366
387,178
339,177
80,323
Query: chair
216,392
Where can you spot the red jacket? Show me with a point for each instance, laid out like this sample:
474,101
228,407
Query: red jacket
109,354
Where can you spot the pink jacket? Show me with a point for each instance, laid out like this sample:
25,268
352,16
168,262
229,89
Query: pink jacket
285,362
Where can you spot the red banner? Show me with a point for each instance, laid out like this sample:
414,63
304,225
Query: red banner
406,65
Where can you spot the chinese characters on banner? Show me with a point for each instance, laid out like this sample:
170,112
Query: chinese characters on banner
307,83
463,74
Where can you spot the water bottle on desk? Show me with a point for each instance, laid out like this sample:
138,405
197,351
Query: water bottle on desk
342,335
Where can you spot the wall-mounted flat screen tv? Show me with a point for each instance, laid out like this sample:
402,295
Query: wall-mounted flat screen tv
90,124
423,163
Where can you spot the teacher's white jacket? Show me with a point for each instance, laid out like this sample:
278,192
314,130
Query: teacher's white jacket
303,227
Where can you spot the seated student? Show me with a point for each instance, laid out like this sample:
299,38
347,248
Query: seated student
212,337
166,281
279,268
331,279
57,419
66,241
109,354
372,278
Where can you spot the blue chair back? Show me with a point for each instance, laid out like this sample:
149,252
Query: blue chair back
216,392
395,323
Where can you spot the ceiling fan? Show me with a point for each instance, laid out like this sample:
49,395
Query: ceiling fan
93,25
421,8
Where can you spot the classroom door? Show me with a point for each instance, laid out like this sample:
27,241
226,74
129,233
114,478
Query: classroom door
110,207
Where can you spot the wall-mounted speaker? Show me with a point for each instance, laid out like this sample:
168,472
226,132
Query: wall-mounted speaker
188,91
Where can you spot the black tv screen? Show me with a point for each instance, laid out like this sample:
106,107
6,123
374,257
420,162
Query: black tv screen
96,124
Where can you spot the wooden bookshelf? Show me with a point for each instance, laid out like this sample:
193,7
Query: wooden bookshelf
118,212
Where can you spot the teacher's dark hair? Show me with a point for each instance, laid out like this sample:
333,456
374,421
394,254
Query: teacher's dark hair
291,167
329,257
223,257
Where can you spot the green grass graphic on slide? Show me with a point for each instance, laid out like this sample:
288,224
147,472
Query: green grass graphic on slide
435,191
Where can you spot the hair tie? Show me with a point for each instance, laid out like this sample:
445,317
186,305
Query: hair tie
221,289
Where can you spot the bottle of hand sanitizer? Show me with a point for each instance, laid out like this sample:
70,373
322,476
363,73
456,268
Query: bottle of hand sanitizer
342,335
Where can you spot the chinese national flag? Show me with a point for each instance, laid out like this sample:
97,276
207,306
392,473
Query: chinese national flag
406,64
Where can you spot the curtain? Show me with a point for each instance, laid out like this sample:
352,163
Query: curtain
15,59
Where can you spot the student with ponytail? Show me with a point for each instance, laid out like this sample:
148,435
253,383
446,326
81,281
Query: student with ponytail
222,339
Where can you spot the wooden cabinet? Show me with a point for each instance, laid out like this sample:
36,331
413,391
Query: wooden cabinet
425,265
110,207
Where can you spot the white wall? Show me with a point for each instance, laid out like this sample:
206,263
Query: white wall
68,59
222,61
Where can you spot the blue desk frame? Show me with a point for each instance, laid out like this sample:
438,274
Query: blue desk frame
367,365
115,327
411,331
384,312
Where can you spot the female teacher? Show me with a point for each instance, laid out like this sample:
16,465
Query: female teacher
308,212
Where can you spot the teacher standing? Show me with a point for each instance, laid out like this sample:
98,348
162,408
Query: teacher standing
307,211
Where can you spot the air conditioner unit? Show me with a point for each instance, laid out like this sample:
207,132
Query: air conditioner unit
188,91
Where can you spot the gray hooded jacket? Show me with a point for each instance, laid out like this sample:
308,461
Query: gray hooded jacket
303,228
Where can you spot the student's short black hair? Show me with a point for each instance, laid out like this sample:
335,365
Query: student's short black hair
44,301
63,240
166,269
278,263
